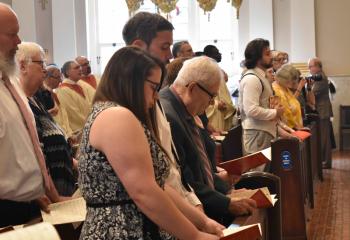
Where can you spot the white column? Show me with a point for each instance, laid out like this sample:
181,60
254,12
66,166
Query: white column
64,31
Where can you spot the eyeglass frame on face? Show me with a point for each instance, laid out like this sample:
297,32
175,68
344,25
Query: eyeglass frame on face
211,95
156,86
41,63
280,60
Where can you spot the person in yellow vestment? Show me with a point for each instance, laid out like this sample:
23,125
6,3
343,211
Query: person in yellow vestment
284,79
87,76
75,96
221,113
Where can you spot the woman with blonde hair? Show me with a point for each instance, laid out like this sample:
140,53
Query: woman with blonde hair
284,80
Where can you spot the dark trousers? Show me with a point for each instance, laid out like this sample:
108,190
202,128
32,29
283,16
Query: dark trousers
15,213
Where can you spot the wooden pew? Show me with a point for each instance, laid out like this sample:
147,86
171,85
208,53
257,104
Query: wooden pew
286,163
273,216
258,216
313,124
297,180
231,146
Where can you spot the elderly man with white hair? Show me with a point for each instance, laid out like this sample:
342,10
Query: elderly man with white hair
193,90
24,181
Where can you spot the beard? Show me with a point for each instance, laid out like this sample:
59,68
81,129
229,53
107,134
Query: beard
7,65
267,65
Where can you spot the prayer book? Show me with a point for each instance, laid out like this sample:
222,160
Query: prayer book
243,164
243,233
262,196
70,211
302,135
42,231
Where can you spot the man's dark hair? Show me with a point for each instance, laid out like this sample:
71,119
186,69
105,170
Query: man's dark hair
254,51
176,48
209,50
198,54
66,67
145,26
212,52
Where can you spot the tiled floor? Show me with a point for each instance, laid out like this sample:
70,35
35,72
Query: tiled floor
330,219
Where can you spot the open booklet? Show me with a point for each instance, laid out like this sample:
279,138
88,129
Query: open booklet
242,233
243,164
70,211
42,231
262,196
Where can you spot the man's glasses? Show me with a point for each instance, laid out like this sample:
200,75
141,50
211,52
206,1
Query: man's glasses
41,63
211,95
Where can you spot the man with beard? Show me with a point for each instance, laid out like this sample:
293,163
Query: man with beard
87,76
24,181
258,120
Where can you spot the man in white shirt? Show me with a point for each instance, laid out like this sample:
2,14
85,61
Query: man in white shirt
22,188
258,120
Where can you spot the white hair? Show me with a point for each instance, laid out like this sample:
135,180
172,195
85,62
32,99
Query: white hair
27,50
203,70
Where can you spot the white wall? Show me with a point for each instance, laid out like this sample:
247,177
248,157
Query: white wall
333,35
9,2
281,25
26,16
59,27
256,21
63,28
294,28
69,30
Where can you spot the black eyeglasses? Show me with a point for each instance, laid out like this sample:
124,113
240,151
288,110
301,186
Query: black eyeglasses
212,96
156,86
39,62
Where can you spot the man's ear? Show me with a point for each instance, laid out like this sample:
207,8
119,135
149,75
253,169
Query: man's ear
22,66
139,43
191,86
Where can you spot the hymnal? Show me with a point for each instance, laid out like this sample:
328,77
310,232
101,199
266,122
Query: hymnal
42,231
70,211
243,164
262,196
243,233
302,135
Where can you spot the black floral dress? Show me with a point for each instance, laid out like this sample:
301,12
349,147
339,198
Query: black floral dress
111,214
57,151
